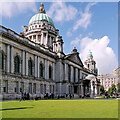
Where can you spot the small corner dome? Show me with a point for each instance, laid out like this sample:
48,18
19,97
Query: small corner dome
90,77
41,15
90,54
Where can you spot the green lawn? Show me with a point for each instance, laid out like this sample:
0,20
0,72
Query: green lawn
60,109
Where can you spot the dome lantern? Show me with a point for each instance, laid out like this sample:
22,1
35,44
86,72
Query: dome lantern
41,9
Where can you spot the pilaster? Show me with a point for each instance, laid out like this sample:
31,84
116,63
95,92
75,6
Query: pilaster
23,62
66,71
35,66
71,77
12,60
26,61
8,58
53,71
38,67
76,76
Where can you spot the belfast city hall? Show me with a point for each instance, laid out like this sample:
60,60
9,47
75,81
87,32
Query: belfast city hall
33,61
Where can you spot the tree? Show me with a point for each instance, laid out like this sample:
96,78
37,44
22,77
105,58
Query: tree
118,87
112,89
102,91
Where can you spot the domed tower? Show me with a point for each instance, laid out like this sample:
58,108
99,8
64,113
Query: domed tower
90,63
42,31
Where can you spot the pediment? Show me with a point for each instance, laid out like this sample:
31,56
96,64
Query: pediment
74,58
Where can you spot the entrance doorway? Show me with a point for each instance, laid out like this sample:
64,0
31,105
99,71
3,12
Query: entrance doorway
75,89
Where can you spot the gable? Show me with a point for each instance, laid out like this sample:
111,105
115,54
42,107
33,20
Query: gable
74,58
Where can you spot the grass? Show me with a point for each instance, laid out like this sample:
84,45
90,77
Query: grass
60,109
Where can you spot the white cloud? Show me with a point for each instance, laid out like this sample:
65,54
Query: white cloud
103,54
85,19
59,11
90,33
76,42
69,34
9,9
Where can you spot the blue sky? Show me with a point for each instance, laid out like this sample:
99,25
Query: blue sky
87,26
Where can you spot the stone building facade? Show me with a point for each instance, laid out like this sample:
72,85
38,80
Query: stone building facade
109,79
33,61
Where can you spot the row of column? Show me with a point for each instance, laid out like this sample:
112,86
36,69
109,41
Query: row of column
93,90
10,64
9,59
77,74
45,41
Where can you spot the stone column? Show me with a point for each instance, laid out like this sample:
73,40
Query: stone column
76,76
90,87
23,62
42,41
50,42
71,77
26,63
46,41
47,72
54,47
45,69
8,58
35,66
38,67
80,74
82,88
32,37
66,71
37,39
12,60
53,71
95,89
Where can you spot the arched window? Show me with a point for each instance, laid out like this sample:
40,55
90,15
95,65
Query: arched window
17,64
1,61
50,72
41,70
30,65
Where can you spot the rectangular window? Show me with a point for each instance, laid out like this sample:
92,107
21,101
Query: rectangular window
22,87
5,86
30,88
16,87
34,88
53,88
45,89
50,89
41,89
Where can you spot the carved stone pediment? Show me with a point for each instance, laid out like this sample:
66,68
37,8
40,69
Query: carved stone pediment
74,57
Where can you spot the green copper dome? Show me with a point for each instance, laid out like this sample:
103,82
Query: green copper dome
90,77
40,16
